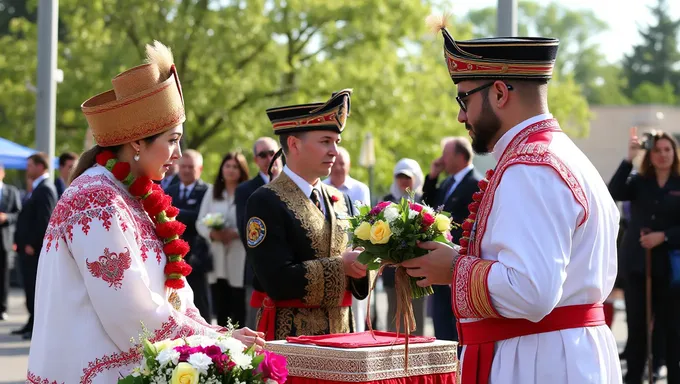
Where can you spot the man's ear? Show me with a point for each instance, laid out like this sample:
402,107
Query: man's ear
502,93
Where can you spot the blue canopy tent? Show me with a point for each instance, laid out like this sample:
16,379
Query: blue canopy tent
13,155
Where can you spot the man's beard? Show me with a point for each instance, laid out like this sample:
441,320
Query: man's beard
485,128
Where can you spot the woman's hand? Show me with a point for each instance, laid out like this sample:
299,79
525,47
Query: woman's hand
227,235
633,144
215,235
652,239
249,337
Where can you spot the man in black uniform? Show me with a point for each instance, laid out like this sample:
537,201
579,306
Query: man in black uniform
296,233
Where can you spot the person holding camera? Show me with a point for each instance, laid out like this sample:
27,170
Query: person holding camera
654,196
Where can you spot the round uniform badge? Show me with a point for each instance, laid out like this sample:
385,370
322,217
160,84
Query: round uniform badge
257,231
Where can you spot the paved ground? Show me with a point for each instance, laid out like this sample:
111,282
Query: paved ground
14,351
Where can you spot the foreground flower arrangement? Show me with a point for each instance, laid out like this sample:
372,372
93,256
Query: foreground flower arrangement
390,232
201,359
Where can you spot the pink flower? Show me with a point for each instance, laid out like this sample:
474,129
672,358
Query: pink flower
416,207
185,351
379,208
448,236
427,220
273,367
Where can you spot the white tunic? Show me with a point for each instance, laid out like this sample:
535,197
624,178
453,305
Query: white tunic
546,261
229,260
100,276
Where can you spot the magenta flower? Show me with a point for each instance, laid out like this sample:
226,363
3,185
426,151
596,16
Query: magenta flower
379,208
273,367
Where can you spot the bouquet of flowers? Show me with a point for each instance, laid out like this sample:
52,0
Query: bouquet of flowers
214,221
389,234
201,359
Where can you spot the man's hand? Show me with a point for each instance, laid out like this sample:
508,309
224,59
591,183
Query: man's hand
3,217
652,239
436,167
435,267
29,250
249,337
353,268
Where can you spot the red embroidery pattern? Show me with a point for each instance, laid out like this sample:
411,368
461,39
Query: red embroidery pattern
99,198
111,267
171,329
32,378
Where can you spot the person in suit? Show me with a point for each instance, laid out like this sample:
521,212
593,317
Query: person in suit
31,227
454,194
305,274
408,179
67,161
187,196
10,206
263,152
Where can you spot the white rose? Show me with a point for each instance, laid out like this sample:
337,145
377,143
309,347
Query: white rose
166,356
391,213
241,360
412,214
201,362
230,345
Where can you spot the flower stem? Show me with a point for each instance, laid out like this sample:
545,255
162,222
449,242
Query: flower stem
417,291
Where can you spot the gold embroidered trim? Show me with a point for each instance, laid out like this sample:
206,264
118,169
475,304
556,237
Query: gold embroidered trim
315,282
335,282
339,320
479,289
311,219
284,323
311,321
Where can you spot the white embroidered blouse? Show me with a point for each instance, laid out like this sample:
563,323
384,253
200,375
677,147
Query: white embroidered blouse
100,281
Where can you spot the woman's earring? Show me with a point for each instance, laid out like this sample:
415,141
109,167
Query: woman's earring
136,156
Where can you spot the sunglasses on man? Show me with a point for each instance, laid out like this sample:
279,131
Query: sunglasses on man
266,154
463,95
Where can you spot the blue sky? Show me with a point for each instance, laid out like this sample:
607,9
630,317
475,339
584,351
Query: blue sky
623,17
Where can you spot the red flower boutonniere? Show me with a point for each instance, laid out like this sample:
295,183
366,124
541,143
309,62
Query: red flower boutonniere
335,199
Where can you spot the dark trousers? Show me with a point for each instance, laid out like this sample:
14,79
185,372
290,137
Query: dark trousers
666,315
199,284
442,315
29,272
4,279
229,303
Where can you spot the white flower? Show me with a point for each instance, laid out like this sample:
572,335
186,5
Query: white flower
199,341
391,213
201,362
412,214
241,360
230,345
166,356
270,381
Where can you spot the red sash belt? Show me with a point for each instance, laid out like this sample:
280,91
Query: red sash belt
267,323
478,337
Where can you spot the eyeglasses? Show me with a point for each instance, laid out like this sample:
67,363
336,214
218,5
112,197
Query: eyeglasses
265,154
463,95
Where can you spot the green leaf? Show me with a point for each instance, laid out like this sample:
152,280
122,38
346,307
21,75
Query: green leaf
365,257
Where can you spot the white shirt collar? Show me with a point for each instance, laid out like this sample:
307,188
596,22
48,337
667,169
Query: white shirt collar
189,187
459,176
504,141
39,180
348,184
264,177
301,183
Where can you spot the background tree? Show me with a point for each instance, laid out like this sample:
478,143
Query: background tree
655,61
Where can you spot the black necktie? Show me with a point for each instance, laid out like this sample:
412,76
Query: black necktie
316,199
185,193
448,192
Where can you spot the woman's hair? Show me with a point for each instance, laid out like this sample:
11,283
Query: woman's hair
89,157
647,168
218,186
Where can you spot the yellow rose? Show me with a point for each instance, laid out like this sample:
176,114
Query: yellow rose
184,373
363,231
161,345
380,232
442,223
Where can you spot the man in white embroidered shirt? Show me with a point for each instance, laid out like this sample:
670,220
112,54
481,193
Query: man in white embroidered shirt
538,252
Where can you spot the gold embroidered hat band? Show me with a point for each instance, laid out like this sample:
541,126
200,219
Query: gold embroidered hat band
329,116
145,100
524,58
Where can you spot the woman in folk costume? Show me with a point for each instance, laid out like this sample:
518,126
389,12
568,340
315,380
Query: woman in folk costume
112,265
538,251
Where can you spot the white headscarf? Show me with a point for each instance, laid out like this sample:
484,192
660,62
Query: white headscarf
411,168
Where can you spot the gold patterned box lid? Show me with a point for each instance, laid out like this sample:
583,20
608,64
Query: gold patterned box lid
366,364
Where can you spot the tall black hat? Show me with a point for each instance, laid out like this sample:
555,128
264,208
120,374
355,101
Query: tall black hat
525,58
329,116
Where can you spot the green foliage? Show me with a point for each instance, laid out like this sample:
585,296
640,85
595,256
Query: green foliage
655,61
